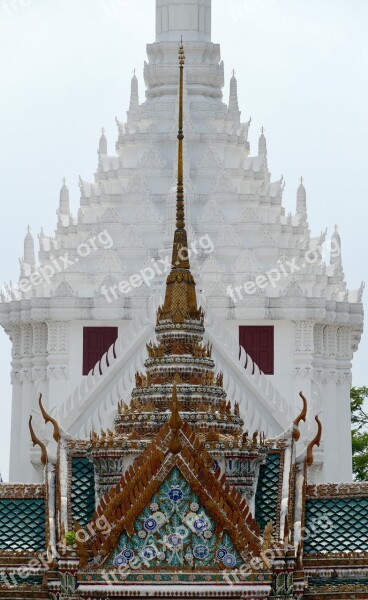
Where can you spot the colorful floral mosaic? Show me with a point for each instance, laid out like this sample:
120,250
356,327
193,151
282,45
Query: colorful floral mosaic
175,531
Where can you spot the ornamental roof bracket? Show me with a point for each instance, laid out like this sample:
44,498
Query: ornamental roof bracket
315,442
48,419
301,417
37,442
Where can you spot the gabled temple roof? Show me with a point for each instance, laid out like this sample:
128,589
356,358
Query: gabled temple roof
126,501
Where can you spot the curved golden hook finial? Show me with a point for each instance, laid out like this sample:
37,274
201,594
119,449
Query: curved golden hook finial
175,424
37,442
49,419
301,417
315,442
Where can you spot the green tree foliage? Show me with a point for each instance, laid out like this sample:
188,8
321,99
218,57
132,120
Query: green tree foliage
359,421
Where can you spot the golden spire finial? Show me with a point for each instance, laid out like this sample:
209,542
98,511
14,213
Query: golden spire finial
180,298
180,217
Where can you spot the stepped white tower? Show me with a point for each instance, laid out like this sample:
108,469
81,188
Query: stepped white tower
256,268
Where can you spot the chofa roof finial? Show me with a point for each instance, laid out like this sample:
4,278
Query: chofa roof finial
49,419
37,442
315,442
301,417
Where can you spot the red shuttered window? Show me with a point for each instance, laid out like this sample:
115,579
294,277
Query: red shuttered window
96,341
258,342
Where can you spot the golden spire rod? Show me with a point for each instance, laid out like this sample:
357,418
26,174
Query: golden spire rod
180,217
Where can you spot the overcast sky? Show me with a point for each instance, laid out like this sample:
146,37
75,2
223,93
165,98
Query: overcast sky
65,70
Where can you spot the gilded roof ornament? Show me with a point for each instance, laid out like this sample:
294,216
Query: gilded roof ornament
180,298
48,419
301,417
37,442
315,442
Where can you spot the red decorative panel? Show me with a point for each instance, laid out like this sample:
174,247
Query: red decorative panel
96,341
258,342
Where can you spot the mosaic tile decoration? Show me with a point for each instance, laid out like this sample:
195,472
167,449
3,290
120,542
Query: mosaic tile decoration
267,491
336,525
83,490
22,524
175,531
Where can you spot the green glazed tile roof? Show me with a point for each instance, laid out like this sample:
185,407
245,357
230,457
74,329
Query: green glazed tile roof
22,524
83,490
267,491
336,525
12,579
337,581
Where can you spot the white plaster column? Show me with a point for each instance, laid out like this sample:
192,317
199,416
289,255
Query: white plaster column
57,361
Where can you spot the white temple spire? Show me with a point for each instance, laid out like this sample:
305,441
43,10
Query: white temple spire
233,100
29,250
262,144
102,147
335,255
134,93
301,199
188,18
64,199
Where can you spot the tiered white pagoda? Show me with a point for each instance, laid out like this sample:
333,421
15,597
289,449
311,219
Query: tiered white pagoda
231,202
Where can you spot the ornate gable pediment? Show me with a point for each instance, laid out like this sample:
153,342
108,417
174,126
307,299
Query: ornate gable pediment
110,263
110,216
65,290
147,213
131,238
175,530
224,185
211,213
250,216
137,185
210,160
170,506
152,159
247,263
228,237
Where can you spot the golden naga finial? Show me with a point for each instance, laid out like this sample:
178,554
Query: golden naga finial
37,442
301,417
180,217
49,419
175,423
315,442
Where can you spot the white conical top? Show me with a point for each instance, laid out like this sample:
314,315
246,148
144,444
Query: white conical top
262,144
102,148
29,250
134,93
301,199
233,100
335,257
188,18
64,199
